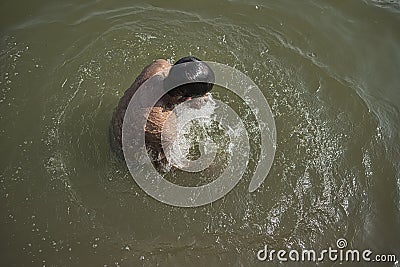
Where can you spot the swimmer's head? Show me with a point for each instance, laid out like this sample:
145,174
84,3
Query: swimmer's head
195,76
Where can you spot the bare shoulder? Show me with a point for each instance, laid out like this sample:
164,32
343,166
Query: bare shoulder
159,65
162,63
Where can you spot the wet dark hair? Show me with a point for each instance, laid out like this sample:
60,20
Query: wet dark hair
196,77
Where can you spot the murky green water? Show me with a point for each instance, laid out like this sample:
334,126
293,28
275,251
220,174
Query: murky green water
329,69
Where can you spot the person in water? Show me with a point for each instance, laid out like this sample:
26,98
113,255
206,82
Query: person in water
190,71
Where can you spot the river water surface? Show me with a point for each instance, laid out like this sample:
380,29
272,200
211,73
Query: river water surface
329,70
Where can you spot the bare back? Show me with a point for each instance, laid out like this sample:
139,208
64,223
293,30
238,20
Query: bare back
158,66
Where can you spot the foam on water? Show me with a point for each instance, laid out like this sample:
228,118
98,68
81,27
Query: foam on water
185,139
